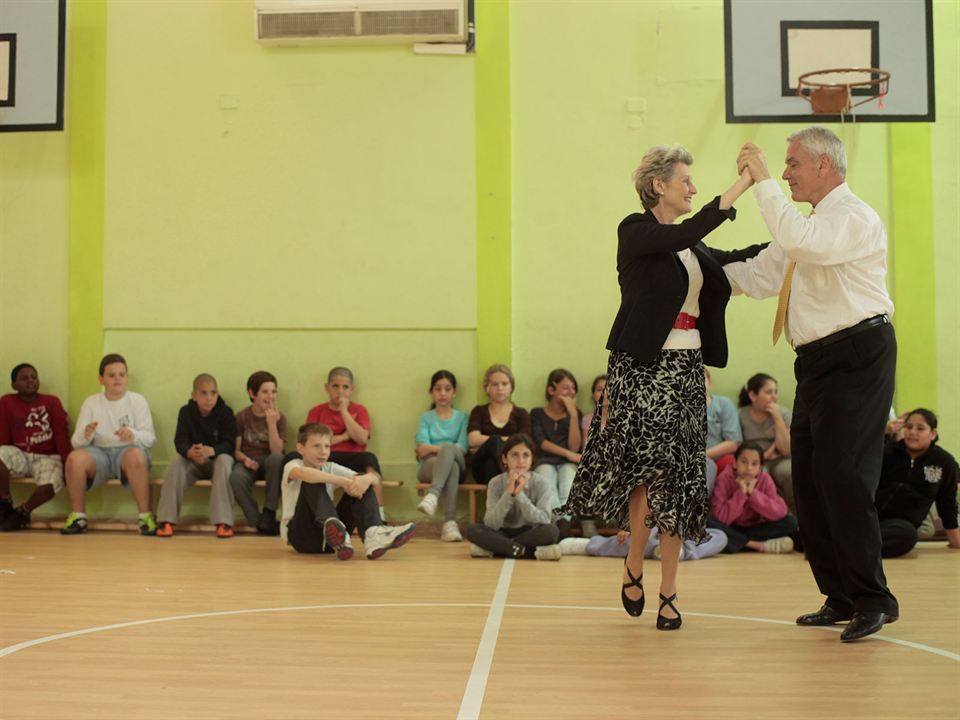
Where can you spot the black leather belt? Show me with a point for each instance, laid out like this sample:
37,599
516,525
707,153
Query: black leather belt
843,334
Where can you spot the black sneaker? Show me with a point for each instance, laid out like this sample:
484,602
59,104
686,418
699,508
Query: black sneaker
18,519
75,525
268,524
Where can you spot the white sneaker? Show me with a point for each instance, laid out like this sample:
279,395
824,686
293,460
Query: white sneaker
377,540
451,531
336,537
778,546
428,506
478,552
573,546
588,528
548,552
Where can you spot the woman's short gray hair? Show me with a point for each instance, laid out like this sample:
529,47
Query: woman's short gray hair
817,141
659,163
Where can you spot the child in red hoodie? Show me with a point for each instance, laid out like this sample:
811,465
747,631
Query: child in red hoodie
748,509
34,442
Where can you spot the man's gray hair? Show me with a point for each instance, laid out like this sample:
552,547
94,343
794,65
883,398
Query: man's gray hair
658,164
817,141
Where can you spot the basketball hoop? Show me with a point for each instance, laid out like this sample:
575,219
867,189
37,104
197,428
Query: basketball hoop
834,95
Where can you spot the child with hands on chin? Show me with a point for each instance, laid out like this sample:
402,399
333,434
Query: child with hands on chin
556,433
517,523
350,423
261,433
765,422
747,508
311,523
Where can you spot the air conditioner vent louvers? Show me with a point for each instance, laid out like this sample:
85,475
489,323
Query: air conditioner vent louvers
307,25
419,22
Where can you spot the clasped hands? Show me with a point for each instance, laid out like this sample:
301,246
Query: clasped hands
752,160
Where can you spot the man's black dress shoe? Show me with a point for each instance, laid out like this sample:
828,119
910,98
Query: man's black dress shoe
864,624
826,615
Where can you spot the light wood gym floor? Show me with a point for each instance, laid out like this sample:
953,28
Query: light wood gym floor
245,628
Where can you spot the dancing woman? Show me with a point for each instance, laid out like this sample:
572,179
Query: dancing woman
644,460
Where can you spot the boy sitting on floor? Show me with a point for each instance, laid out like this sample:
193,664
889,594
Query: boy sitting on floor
310,523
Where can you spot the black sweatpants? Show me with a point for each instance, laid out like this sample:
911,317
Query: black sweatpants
844,391
357,461
305,529
512,542
739,535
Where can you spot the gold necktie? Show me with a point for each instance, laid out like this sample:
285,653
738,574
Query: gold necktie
783,300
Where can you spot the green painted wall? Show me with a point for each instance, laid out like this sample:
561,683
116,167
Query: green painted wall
296,208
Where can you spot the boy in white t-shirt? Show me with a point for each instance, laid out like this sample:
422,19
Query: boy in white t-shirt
310,522
113,435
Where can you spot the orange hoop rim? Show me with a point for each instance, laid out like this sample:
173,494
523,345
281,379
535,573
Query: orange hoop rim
878,77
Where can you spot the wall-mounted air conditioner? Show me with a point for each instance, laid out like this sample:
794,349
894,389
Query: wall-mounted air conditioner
361,21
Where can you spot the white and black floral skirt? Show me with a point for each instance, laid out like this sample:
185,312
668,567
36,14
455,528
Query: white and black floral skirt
654,436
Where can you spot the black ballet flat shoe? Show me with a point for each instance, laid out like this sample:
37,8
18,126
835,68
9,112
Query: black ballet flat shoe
665,623
634,608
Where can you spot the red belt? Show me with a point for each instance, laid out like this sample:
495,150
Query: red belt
685,322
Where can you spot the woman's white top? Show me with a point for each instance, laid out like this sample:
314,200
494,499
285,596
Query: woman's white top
688,339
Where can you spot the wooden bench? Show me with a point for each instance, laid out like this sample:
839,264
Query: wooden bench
53,524
471,488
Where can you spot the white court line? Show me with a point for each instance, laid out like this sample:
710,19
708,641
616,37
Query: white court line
11,649
477,683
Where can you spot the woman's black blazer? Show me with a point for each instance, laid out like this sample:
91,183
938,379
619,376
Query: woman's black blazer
653,283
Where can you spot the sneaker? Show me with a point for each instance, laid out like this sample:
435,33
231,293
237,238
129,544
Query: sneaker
268,524
548,552
223,531
573,546
428,506
165,529
778,545
451,532
74,525
336,538
588,528
17,519
377,540
147,525
479,552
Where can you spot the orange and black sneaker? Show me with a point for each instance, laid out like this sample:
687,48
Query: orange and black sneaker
165,529
224,531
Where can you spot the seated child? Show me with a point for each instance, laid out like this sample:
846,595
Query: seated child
517,523
916,472
596,392
723,432
34,442
350,423
491,424
556,434
748,509
441,447
112,439
310,523
619,545
205,441
764,422
261,432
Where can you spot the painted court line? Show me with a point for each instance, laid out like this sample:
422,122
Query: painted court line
504,582
477,683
